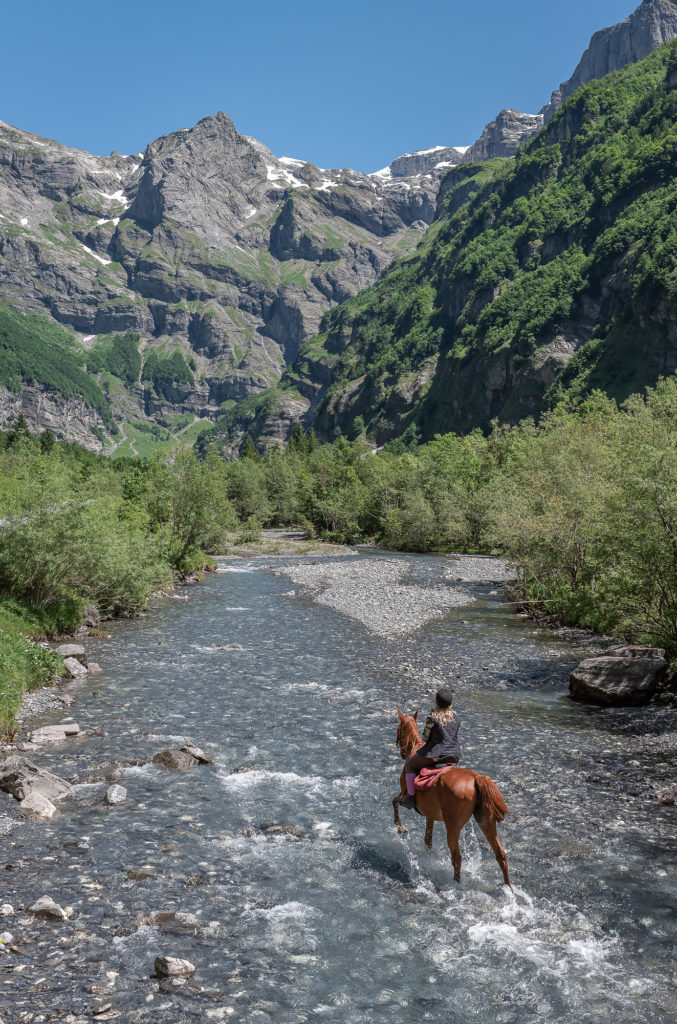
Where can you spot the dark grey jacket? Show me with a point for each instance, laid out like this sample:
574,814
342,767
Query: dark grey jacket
441,737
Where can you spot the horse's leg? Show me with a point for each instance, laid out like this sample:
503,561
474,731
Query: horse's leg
429,826
453,832
488,826
398,821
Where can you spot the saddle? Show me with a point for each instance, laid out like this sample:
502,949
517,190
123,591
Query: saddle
428,776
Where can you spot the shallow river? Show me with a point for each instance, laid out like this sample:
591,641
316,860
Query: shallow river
340,919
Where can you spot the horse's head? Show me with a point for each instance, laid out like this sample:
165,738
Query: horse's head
408,738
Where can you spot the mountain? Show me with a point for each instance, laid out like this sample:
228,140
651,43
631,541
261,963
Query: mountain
542,277
218,256
653,23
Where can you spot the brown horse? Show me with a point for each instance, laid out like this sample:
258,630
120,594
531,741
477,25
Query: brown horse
453,798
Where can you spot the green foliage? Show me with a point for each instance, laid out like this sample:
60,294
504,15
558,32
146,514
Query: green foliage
34,350
118,355
167,373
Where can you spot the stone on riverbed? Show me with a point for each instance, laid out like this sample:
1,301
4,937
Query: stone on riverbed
76,651
197,753
40,806
46,907
175,760
668,795
178,922
54,733
74,668
6,910
615,681
21,778
173,967
116,795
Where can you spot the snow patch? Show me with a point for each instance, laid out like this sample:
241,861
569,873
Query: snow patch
251,213
277,173
385,173
88,337
101,260
292,161
433,149
135,168
24,222
461,149
116,197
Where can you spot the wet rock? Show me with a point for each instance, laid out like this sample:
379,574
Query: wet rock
635,652
116,795
76,651
46,907
64,698
177,922
668,795
94,668
286,830
197,753
617,682
6,909
21,778
141,874
175,760
74,669
40,806
54,733
91,615
173,967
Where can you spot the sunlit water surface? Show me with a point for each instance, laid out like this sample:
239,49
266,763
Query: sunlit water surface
343,920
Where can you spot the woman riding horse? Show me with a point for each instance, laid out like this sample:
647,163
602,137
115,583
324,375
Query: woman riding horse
440,743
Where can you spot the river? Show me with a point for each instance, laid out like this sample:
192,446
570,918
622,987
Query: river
311,907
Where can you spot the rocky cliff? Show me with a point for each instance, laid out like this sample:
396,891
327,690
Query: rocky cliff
543,277
206,244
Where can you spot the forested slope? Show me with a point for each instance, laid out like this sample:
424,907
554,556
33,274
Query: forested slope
542,278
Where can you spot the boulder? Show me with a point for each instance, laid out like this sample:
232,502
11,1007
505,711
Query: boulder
178,922
46,907
6,910
74,669
54,733
617,681
94,669
668,795
635,652
91,615
40,806
116,795
172,967
21,778
175,760
76,651
197,753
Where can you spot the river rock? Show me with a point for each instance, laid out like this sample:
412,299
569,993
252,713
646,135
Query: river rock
94,668
173,967
76,651
197,753
668,795
46,907
635,652
74,669
116,795
178,922
175,760
40,806
617,681
6,909
21,778
91,615
54,733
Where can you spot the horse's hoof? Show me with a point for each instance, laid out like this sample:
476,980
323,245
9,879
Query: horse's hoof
402,830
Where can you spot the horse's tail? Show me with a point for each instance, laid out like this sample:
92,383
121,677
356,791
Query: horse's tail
489,796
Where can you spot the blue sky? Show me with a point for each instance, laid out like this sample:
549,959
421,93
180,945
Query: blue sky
344,83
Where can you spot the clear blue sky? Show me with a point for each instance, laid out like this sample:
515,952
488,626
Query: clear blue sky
348,83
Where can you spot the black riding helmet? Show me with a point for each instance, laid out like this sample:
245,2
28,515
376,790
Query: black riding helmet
444,697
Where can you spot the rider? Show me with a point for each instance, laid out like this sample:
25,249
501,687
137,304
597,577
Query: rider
440,743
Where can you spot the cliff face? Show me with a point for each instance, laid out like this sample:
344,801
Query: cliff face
206,244
542,278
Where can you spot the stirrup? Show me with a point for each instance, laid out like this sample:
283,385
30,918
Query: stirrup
409,802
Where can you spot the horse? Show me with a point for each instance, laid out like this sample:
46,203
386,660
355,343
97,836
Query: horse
453,798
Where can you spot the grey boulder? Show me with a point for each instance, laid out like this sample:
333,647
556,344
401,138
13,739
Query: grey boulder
175,760
197,753
116,795
74,668
46,907
40,806
55,733
617,681
173,967
21,778
73,651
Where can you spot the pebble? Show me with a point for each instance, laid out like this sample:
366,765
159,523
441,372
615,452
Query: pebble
46,907
173,967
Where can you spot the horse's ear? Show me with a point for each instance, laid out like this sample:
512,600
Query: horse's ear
400,714
416,714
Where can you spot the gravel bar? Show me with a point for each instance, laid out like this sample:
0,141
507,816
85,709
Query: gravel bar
375,592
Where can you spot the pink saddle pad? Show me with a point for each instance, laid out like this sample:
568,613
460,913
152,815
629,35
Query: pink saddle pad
427,776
